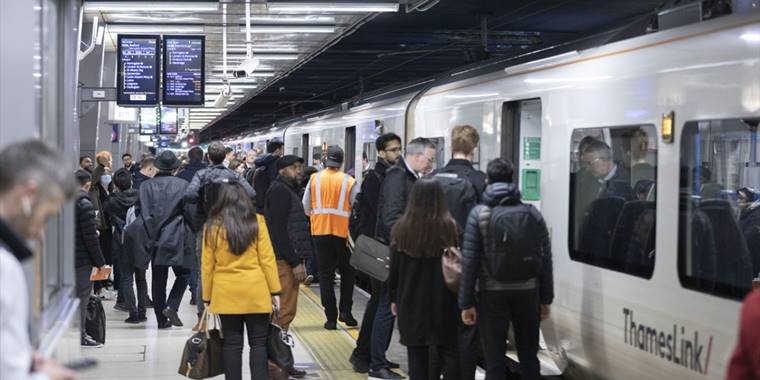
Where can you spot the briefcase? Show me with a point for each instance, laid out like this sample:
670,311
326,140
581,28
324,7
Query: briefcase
372,258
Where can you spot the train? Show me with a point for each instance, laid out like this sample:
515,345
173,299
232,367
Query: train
683,101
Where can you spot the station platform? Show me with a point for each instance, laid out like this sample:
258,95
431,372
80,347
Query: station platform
143,352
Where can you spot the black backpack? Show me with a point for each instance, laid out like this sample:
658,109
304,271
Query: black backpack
211,191
460,194
509,231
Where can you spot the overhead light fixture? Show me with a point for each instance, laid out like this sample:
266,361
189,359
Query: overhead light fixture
472,96
101,34
276,29
274,57
130,6
153,28
751,37
292,19
333,7
566,80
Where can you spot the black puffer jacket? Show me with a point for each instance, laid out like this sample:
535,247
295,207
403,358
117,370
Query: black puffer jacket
268,163
370,197
287,223
87,252
472,251
391,204
194,192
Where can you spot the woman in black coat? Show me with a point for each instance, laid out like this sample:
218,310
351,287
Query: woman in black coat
427,311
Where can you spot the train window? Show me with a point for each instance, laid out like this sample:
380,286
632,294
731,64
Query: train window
719,207
612,198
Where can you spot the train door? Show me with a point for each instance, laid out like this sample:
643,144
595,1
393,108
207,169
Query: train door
521,144
305,148
440,152
349,161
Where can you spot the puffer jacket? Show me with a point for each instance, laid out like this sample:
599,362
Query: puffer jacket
472,251
87,252
194,192
288,226
391,204
268,163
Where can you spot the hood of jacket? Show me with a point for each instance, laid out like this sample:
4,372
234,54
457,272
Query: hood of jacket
125,199
266,160
496,192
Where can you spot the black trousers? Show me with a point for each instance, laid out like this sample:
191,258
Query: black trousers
333,253
496,309
84,290
421,360
258,328
362,350
129,277
470,350
158,288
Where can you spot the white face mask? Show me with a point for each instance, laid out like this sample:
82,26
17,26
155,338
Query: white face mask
105,180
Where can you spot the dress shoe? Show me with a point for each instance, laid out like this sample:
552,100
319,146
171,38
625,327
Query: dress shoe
393,365
385,374
121,307
134,320
295,373
91,343
359,365
348,319
173,317
331,325
165,324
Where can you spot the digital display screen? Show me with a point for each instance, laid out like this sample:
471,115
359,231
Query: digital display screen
138,70
148,121
168,121
183,70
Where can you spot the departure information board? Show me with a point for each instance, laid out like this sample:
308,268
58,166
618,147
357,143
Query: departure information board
138,70
183,70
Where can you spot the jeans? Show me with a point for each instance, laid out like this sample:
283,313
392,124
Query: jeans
130,276
258,329
333,253
158,285
495,311
197,273
362,350
84,290
382,331
420,362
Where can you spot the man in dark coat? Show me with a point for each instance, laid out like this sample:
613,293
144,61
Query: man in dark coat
266,164
87,251
129,164
195,155
146,172
418,160
171,242
388,151
195,165
290,235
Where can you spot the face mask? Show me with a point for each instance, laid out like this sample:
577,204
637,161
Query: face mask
105,180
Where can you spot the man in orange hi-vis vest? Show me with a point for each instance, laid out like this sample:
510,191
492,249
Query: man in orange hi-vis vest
327,200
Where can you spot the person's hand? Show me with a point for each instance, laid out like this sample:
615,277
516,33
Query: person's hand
300,273
394,310
276,302
545,312
469,316
52,369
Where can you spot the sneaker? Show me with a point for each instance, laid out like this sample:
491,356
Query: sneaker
308,280
91,343
134,320
173,317
392,365
295,373
331,325
359,366
165,324
121,307
385,374
348,319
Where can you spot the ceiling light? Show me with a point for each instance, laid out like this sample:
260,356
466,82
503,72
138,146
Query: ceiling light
565,80
168,18
101,33
271,57
292,19
151,28
751,37
274,29
333,7
129,6
471,96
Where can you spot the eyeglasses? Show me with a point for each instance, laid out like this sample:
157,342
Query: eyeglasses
393,150
586,164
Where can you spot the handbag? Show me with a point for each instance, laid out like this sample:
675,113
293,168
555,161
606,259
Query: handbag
372,258
451,266
95,320
202,356
279,344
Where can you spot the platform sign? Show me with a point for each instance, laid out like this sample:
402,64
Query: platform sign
149,119
168,123
138,70
184,71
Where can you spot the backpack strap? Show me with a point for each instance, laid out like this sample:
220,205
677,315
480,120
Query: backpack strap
484,219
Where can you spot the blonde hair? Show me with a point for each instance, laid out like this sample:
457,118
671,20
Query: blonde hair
464,139
103,154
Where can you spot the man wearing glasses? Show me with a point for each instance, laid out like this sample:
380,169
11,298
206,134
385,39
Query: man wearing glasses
613,180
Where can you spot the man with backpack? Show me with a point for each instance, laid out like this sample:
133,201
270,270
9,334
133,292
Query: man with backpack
266,172
507,252
463,185
195,155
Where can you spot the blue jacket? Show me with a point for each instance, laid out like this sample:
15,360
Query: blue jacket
472,251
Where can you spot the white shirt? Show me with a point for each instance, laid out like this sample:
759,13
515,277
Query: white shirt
411,170
15,345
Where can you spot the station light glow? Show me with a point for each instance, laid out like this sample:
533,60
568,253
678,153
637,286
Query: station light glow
333,7
153,28
751,37
129,6
276,29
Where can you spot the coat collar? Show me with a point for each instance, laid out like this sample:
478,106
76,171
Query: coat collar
13,242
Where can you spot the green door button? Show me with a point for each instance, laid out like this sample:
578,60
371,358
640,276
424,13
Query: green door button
531,184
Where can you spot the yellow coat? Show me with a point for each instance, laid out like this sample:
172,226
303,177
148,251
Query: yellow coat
240,284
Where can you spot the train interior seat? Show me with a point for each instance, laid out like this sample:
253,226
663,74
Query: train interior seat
599,221
733,264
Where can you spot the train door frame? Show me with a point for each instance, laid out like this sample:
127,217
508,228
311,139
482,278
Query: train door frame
350,149
523,147
305,148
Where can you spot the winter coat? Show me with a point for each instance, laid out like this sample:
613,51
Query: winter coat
472,252
138,179
370,197
464,168
162,210
194,192
287,223
239,284
87,246
268,163
189,171
427,309
391,204
117,205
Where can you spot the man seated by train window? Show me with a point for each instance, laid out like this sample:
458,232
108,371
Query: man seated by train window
612,178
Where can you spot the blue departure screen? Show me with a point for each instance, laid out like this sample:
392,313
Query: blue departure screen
138,70
183,70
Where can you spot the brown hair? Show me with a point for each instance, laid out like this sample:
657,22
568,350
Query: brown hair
234,214
426,227
464,139
102,155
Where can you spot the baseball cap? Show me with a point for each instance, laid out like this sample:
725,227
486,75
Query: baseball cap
334,157
288,160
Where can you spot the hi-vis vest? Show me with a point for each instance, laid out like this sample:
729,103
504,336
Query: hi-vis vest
330,203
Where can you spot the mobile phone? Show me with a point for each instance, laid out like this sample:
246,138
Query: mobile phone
81,364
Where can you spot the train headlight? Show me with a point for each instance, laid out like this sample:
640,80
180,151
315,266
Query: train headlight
667,127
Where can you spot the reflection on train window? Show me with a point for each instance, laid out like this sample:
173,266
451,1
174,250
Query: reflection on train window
612,198
719,207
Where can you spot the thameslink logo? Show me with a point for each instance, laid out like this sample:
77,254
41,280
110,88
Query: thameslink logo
679,346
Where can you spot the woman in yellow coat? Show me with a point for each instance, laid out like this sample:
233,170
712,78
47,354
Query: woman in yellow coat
240,280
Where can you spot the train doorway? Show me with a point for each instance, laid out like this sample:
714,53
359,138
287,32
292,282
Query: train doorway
521,144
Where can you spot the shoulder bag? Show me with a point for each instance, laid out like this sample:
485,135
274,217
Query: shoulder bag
372,258
451,266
